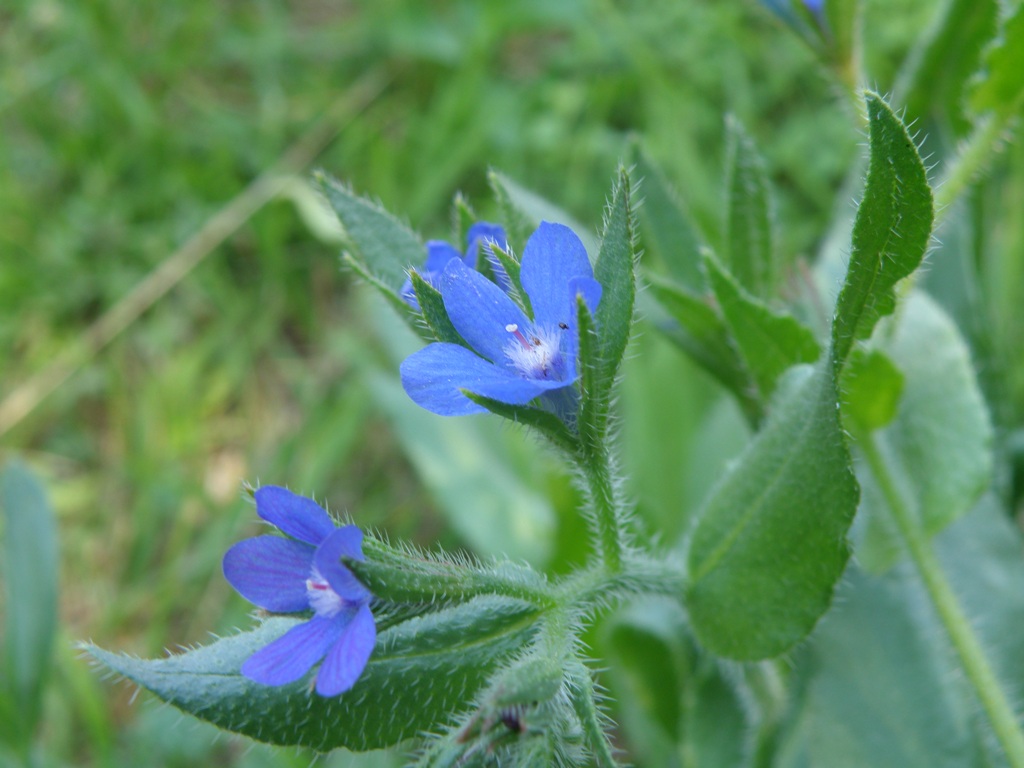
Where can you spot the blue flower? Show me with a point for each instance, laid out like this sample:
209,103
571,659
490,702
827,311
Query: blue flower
439,253
516,358
299,574
784,9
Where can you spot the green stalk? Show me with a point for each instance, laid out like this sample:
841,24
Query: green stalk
590,717
595,465
978,671
970,161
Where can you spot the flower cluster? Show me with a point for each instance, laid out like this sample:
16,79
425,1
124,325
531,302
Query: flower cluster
513,355
299,574
512,358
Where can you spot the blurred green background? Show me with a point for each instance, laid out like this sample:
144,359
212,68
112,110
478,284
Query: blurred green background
124,127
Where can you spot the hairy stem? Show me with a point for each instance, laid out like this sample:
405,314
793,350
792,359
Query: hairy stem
590,717
976,667
974,154
599,478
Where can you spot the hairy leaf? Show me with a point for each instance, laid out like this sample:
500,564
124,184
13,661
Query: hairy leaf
935,77
880,696
1001,87
669,230
770,544
421,670
593,409
701,332
890,233
30,606
383,247
436,316
524,210
769,342
748,217
939,446
872,386
614,270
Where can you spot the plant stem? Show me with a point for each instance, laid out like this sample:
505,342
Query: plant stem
595,464
401,577
970,161
590,717
979,673
593,591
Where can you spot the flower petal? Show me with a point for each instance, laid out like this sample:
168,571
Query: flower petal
435,376
299,517
589,289
347,659
483,231
482,236
271,572
479,310
552,258
477,239
343,542
293,654
439,253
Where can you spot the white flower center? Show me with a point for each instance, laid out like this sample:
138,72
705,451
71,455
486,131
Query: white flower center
322,599
536,355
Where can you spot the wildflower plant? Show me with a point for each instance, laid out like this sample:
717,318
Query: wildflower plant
365,644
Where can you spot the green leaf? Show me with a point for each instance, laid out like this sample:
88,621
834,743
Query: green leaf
769,342
882,695
383,247
411,317
524,210
614,270
890,233
421,671
603,336
872,386
545,422
406,575
463,217
939,446
434,313
981,555
748,217
593,406
30,573
1000,88
702,333
670,231
770,544
513,269
934,79
518,207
